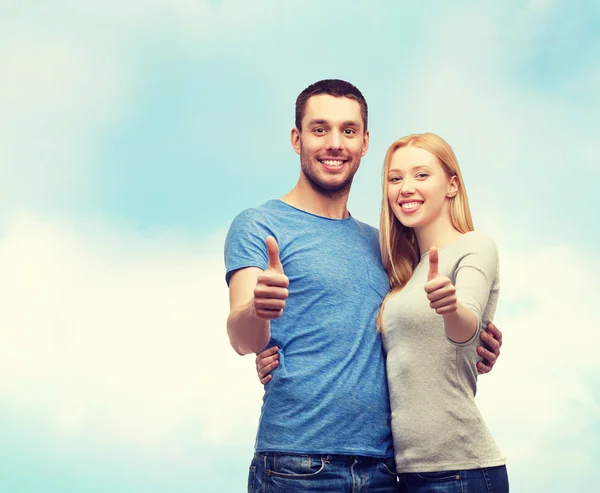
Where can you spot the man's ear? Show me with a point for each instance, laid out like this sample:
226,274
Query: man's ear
295,138
365,146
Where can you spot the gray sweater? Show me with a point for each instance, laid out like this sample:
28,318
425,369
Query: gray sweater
432,380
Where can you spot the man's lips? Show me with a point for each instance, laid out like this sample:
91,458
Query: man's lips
333,163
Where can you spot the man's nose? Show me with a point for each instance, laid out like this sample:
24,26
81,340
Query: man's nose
334,140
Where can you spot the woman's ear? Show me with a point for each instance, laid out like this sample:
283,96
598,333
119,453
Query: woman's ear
452,187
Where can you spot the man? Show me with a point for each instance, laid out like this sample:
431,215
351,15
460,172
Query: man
325,421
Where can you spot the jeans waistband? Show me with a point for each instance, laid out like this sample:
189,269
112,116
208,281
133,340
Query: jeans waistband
331,458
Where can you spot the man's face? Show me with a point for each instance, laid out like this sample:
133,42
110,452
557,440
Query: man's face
331,143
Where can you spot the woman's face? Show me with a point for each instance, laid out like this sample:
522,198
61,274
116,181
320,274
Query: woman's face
418,187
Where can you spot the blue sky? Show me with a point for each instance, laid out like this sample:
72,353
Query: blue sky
133,132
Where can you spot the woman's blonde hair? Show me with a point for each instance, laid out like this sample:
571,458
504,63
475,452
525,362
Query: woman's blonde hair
399,248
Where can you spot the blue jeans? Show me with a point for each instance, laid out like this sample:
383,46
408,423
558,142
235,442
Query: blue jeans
275,472
486,480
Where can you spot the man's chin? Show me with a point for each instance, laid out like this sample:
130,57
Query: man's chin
330,187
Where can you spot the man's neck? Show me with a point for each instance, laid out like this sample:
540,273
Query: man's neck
306,198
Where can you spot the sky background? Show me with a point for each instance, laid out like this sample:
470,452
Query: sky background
133,131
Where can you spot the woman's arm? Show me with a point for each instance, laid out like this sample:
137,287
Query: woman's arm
462,305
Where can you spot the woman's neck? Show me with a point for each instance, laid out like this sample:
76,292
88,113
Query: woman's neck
439,234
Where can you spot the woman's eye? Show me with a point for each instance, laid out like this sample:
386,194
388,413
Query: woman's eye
395,179
422,175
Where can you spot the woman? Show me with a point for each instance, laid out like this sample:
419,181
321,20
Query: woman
444,288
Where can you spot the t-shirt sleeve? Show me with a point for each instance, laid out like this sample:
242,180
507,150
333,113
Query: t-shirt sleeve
245,243
475,275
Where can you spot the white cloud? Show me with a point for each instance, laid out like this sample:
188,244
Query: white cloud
542,401
120,338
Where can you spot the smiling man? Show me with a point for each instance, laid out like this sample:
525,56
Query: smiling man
306,277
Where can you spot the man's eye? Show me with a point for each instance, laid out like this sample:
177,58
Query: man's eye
319,130
349,131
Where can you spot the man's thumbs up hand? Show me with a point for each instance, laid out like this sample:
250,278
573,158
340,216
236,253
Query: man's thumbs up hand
273,252
271,291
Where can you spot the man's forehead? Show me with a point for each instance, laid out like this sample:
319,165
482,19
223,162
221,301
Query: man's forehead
331,108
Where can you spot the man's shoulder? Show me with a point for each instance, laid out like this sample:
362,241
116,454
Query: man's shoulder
259,213
366,229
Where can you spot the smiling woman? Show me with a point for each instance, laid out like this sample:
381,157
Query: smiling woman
430,337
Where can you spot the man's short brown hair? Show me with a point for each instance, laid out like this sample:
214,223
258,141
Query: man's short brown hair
334,87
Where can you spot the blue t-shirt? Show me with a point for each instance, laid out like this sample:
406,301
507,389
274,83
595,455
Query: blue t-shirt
329,394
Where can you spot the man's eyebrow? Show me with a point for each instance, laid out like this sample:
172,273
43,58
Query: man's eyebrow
347,123
318,121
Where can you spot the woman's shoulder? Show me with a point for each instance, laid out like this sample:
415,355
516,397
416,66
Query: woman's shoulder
475,242
480,239
479,245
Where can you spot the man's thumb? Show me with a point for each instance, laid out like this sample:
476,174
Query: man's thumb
273,251
433,264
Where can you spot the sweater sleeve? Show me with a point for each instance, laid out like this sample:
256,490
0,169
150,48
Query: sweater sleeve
476,274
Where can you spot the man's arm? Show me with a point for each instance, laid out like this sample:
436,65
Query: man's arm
255,298
489,350
247,332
